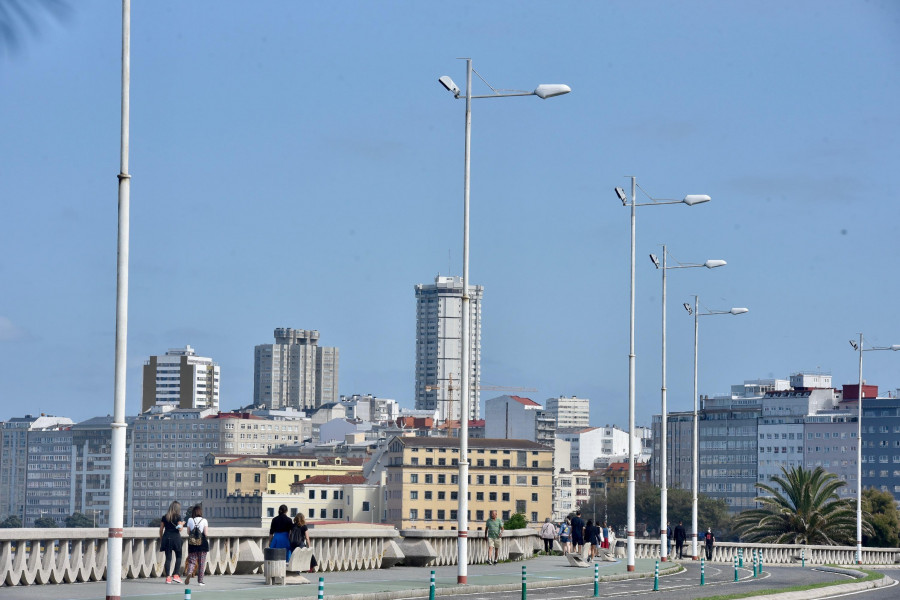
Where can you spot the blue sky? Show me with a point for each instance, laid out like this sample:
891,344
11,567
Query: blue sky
297,164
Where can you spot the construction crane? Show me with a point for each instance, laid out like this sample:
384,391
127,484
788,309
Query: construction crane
449,399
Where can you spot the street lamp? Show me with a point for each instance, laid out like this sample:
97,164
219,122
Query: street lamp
690,201
542,91
859,347
663,483
696,437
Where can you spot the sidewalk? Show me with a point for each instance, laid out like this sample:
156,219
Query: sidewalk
398,582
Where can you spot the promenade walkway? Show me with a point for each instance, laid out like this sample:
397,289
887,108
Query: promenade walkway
383,583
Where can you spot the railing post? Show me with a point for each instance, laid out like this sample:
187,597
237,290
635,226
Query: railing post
803,557
754,563
431,588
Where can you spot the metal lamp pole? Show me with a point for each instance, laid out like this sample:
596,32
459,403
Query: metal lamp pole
695,555
117,447
663,476
690,201
542,91
859,486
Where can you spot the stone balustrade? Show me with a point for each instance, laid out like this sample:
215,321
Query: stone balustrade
39,556
780,554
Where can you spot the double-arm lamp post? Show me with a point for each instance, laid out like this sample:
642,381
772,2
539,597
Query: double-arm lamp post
663,478
695,555
542,91
859,346
690,201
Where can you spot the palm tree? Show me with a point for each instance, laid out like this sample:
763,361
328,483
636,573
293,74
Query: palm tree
803,508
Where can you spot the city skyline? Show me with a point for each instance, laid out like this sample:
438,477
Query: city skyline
267,149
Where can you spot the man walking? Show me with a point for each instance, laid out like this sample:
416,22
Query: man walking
577,532
669,540
493,531
710,541
680,537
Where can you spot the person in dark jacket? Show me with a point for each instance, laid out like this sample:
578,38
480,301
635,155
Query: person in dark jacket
577,532
680,537
170,540
710,540
280,530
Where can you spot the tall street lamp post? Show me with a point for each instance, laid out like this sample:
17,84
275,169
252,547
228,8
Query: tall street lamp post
663,477
542,91
859,347
695,555
690,201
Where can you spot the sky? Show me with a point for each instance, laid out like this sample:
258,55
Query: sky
297,164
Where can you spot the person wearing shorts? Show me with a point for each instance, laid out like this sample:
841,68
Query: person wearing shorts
493,531
577,532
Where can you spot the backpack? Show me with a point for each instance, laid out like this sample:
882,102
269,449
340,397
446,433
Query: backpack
298,540
196,535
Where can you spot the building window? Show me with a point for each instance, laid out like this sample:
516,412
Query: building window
534,497
505,496
429,478
414,478
479,515
492,496
237,477
442,479
413,514
441,515
414,495
312,494
323,513
428,494
365,506
427,514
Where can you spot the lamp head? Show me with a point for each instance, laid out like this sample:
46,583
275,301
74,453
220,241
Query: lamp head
655,260
621,194
449,85
712,264
895,347
549,90
739,311
696,199
688,308
854,345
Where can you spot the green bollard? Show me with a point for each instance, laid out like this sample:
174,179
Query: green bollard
741,558
187,594
656,578
760,563
702,572
524,586
596,580
803,558
321,588
735,568
754,564
431,589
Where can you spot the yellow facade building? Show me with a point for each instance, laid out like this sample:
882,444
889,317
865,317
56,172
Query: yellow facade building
509,476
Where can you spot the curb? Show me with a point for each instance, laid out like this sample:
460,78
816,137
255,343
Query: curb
499,587
834,590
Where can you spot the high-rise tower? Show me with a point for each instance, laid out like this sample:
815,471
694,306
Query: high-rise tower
295,371
181,379
439,346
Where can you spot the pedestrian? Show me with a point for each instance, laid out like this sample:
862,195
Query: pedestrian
493,531
710,542
565,536
548,534
669,540
577,532
680,536
299,538
592,539
280,530
198,545
170,541
605,543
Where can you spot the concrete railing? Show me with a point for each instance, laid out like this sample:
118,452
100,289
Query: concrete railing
39,556
780,554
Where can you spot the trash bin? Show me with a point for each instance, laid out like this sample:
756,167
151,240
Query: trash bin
274,565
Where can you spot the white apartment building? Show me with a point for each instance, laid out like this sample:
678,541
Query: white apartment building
295,371
591,443
569,412
181,379
517,418
439,347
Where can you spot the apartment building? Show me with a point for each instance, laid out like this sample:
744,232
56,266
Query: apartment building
295,371
181,379
510,476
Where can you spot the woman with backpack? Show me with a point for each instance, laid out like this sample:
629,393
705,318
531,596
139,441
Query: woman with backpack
299,537
198,545
565,536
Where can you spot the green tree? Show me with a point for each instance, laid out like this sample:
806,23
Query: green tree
517,521
802,507
10,522
881,511
78,519
45,522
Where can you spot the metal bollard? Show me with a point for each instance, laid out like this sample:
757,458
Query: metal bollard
754,564
524,587
187,594
803,557
735,568
656,578
321,588
596,580
702,571
431,589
